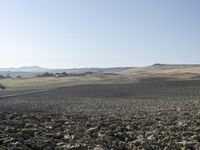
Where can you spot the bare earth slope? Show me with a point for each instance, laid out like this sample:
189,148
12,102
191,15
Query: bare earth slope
155,113
162,70
155,107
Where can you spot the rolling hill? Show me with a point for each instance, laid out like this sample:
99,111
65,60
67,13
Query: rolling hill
164,70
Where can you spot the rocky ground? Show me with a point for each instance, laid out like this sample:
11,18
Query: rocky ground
150,115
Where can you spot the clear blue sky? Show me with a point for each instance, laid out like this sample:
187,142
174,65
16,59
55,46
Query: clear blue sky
98,33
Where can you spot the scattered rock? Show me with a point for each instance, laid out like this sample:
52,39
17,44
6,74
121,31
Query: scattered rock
99,147
29,132
146,146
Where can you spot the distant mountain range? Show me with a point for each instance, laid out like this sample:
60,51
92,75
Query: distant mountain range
25,69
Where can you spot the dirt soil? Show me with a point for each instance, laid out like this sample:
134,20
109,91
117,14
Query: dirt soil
153,114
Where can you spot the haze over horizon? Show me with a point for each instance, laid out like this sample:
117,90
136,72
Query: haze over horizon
36,67
79,34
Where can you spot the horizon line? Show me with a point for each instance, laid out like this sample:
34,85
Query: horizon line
43,67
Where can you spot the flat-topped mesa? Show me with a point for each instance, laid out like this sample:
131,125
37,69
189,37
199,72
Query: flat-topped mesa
158,65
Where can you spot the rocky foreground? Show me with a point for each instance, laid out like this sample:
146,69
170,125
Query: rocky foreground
61,121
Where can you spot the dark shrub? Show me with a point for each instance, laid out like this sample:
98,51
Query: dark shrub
2,87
